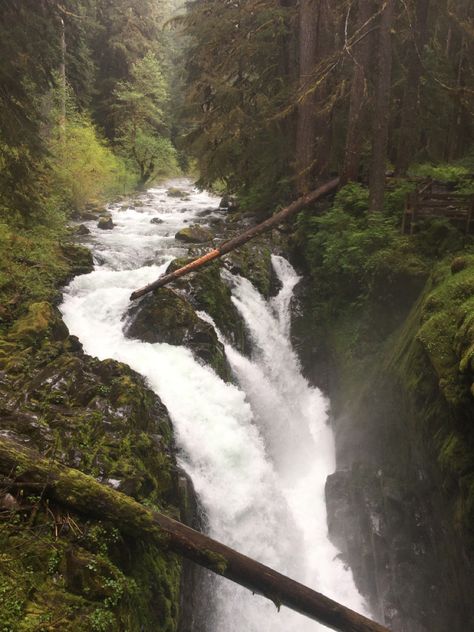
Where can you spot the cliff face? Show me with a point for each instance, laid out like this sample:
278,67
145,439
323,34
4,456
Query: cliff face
400,505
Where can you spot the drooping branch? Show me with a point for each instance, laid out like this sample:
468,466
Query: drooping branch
243,238
86,495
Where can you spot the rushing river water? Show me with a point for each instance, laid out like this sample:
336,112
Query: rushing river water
258,453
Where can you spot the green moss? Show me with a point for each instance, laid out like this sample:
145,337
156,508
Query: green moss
194,234
59,571
447,331
77,579
455,457
207,291
34,325
218,562
31,264
253,261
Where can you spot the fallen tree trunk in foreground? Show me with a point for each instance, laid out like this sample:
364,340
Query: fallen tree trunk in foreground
241,239
84,494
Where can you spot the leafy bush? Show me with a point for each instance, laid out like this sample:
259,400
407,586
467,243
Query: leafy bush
459,175
353,199
394,203
83,167
348,250
443,173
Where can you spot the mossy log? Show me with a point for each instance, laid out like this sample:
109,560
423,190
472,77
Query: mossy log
84,494
243,238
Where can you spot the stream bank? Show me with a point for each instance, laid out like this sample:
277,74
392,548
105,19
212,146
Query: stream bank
59,570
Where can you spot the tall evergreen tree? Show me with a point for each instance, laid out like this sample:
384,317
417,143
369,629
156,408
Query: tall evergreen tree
380,129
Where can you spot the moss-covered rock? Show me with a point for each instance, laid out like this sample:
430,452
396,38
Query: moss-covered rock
78,258
174,192
207,291
253,261
82,230
40,320
165,316
194,234
59,571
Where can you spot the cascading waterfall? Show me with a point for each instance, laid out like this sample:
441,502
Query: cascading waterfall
258,453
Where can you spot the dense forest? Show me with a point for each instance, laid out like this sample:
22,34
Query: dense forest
298,91
260,103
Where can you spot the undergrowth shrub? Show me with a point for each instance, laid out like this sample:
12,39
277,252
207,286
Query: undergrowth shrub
83,167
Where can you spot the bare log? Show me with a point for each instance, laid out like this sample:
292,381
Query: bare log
80,492
241,239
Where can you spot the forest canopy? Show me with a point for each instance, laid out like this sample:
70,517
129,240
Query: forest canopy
266,98
300,90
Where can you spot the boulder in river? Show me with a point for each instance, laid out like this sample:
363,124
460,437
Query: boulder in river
105,222
194,234
82,230
177,193
165,316
156,220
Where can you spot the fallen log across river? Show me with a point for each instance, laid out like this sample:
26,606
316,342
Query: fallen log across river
273,221
73,489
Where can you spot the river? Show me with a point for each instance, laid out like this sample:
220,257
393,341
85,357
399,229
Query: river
258,451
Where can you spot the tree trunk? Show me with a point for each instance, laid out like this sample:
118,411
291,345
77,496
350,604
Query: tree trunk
409,128
63,85
382,109
326,42
358,100
306,115
241,239
84,494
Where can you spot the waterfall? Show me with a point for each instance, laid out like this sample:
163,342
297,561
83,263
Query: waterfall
258,451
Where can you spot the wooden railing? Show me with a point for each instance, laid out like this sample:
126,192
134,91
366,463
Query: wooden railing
428,201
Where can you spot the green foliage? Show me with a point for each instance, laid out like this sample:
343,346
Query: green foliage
124,33
236,87
436,237
29,261
142,99
459,175
453,173
153,155
348,250
394,201
141,121
353,199
83,168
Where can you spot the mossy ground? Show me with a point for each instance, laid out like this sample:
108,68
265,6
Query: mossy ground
58,570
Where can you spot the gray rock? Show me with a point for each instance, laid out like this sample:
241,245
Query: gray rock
105,223
82,230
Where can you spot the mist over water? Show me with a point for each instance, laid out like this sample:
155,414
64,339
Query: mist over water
258,452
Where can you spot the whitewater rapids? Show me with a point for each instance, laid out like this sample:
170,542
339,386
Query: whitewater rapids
258,452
